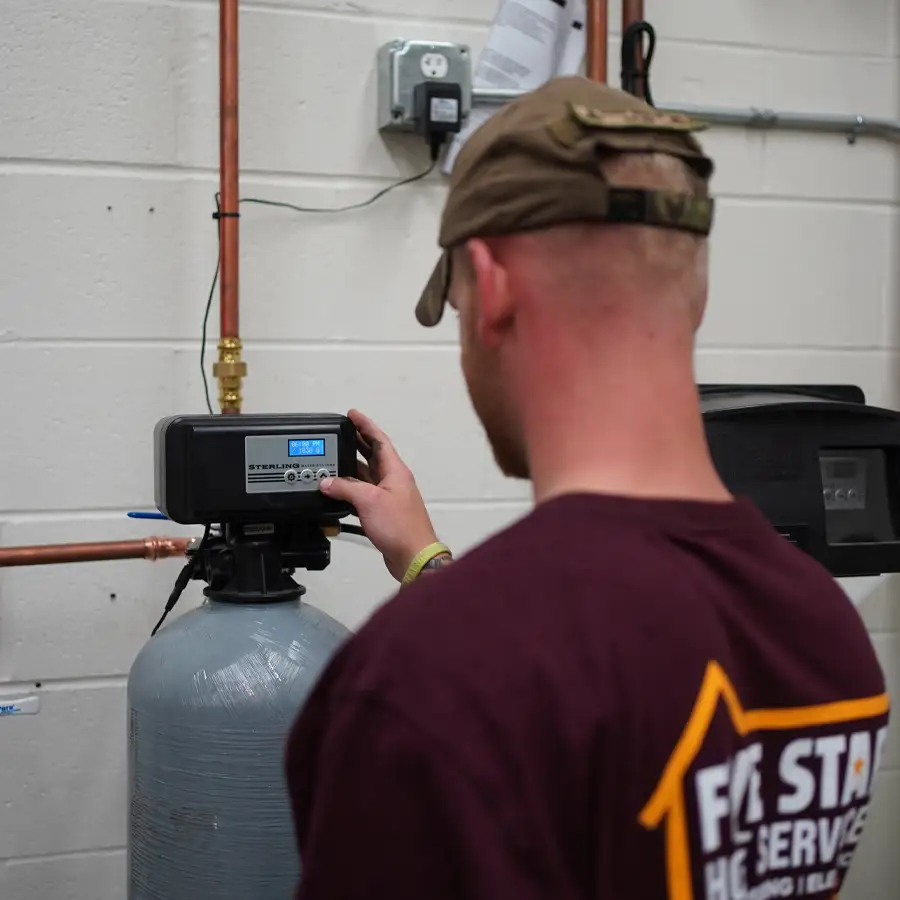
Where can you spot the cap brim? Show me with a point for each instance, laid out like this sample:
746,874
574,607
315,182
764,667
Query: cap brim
430,308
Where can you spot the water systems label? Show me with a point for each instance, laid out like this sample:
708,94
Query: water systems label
25,706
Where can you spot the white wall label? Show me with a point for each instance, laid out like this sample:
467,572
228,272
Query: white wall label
24,706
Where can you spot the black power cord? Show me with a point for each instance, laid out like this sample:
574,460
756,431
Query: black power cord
435,143
435,148
184,577
209,300
190,568
636,76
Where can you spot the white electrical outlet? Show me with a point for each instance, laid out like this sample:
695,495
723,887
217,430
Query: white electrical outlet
435,65
402,65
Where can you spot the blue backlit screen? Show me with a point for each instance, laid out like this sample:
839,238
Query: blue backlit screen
306,447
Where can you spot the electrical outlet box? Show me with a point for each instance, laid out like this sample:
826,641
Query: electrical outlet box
404,64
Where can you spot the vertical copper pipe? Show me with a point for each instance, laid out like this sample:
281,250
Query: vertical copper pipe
229,370
597,36
228,164
633,11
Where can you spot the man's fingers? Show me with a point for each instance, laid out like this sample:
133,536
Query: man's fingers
351,490
363,446
368,430
382,450
364,473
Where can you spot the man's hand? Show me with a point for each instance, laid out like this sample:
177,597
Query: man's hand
385,496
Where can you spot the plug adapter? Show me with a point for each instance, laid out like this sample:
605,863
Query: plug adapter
437,107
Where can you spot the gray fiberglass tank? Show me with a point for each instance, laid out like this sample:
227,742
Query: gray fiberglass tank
211,700
213,695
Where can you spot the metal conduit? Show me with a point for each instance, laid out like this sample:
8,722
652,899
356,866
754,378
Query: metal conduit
761,119
767,119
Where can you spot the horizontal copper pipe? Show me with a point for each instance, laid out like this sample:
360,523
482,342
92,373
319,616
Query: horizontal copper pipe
597,36
51,554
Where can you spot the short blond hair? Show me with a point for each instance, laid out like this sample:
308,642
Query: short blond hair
680,258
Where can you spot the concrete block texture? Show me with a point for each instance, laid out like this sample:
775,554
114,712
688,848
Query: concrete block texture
108,170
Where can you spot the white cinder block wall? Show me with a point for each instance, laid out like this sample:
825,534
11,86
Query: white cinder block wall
108,156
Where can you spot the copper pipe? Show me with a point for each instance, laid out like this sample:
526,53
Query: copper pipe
228,164
633,11
229,370
597,37
51,554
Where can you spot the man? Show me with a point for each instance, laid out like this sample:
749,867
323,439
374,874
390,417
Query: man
639,690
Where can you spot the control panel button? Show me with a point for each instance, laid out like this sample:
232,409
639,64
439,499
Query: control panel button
291,475
307,475
322,474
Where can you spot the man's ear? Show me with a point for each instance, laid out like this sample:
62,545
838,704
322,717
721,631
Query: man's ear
493,313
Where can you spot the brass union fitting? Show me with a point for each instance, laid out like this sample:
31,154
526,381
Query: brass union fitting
229,370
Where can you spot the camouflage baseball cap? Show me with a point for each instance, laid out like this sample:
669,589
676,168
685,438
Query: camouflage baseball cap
535,164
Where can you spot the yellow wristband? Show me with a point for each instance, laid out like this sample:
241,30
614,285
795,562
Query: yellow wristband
421,559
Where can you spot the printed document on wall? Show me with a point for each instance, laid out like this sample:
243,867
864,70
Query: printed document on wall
530,42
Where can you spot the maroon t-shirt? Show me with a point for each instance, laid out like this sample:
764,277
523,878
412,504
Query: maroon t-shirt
613,699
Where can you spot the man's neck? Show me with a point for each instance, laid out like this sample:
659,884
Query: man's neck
630,425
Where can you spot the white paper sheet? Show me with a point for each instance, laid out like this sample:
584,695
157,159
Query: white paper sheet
530,42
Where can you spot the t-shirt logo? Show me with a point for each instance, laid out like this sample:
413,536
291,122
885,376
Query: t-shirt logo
779,817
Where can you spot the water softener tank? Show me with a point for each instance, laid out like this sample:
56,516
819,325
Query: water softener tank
211,699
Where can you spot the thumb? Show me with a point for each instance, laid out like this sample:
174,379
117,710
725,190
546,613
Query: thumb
351,490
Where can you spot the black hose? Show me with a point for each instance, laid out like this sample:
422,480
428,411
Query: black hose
635,76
